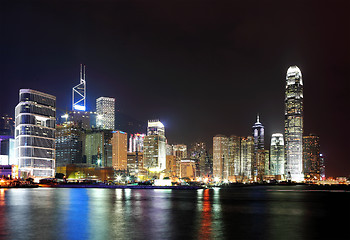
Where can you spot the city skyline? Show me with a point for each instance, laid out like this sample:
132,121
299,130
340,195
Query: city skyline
198,87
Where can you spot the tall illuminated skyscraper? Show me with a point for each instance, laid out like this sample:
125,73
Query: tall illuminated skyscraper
294,124
277,154
35,133
79,92
105,110
259,155
258,134
154,147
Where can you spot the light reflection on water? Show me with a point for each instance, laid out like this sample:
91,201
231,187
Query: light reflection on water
252,213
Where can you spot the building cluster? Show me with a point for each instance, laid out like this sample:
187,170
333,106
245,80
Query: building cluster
86,145
292,155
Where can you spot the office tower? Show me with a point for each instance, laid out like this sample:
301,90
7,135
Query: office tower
220,157
119,143
198,151
136,142
7,125
311,157
180,152
267,162
154,147
294,125
247,155
97,148
79,92
69,144
81,119
35,133
258,134
105,110
277,162
234,152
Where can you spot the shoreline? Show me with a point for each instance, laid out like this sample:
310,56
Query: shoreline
231,186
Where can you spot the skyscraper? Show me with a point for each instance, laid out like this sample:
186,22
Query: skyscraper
105,110
247,156
180,152
154,147
311,156
277,154
259,155
258,134
119,143
294,124
220,157
79,92
35,133
69,140
97,148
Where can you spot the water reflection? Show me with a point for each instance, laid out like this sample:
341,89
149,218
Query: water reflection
3,215
205,225
252,213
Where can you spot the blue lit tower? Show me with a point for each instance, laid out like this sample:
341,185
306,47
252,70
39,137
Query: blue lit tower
294,125
79,92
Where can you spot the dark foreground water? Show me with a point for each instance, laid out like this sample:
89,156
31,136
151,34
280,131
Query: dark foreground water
291,212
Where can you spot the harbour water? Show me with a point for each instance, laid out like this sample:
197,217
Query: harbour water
259,212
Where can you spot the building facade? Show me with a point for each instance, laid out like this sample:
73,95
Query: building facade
294,125
105,110
35,133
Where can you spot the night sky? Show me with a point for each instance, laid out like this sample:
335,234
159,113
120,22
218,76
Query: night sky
202,67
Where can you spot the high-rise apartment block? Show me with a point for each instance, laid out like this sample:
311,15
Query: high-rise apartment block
311,157
35,133
294,125
154,147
